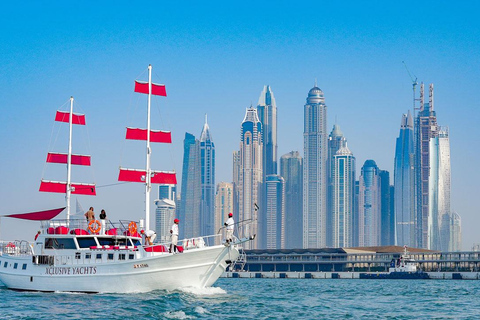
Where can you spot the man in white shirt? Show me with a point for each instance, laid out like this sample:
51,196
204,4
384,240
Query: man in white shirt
174,232
150,236
229,224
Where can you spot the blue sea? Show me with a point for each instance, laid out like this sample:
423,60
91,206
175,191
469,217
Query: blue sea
261,299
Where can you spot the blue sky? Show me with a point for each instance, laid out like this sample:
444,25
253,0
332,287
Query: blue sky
214,58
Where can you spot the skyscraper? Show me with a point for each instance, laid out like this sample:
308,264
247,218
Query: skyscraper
191,188
387,224
248,165
315,170
164,215
425,129
343,194
336,140
223,204
439,192
404,179
455,243
207,160
369,207
275,212
291,169
267,114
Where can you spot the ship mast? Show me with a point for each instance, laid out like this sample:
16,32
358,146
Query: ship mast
148,184
69,159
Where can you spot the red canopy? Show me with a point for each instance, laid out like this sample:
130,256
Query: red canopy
39,215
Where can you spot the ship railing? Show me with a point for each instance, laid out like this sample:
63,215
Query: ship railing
63,226
241,229
201,242
16,248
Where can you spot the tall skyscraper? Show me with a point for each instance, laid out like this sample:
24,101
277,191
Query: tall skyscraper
267,114
439,192
164,215
369,207
387,224
275,212
167,191
223,204
343,194
404,184
336,140
291,169
356,213
249,167
455,243
207,160
191,188
425,129
315,170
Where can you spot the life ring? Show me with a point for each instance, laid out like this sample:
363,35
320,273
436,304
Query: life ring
94,226
132,228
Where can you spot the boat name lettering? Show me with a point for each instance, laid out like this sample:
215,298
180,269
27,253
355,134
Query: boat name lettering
59,271
142,265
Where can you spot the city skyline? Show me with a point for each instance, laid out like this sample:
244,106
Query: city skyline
355,54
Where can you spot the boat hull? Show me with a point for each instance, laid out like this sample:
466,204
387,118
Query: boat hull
193,268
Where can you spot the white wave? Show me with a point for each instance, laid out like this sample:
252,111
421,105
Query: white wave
177,315
203,291
200,310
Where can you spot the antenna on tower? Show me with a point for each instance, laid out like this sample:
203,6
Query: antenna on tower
414,86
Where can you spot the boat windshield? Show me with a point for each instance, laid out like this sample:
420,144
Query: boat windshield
59,243
113,242
86,242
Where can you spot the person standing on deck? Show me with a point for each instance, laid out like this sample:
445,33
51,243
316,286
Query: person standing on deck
90,215
229,224
174,235
103,217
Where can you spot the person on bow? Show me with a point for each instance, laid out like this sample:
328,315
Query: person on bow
150,236
229,224
174,236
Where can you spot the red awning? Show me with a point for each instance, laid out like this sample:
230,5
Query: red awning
39,215
158,177
62,158
155,135
62,116
157,89
61,187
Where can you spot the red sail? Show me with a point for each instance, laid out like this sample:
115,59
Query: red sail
61,187
157,89
158,177
155,135
39,215
65,117
62,158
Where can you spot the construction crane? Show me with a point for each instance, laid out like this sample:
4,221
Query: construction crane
414,86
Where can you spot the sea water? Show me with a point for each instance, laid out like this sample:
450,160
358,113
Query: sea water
261,299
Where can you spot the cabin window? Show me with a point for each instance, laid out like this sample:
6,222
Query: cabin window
59,243
24,266
86,242
121,256
131,256
15,265
99,256
88,255
77,255
110,256
5,264
106,241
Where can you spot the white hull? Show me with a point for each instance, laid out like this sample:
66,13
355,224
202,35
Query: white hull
192,268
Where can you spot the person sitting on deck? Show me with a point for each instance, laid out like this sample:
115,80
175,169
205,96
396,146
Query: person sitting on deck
150,236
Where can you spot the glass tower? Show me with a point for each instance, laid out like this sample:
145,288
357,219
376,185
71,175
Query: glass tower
291,170
267,114
207,160
315,170
404,196
369,206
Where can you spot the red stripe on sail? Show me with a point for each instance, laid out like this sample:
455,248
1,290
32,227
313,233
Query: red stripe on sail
61,187
78,160
157,89
39,215
65,117
158,177
155,135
